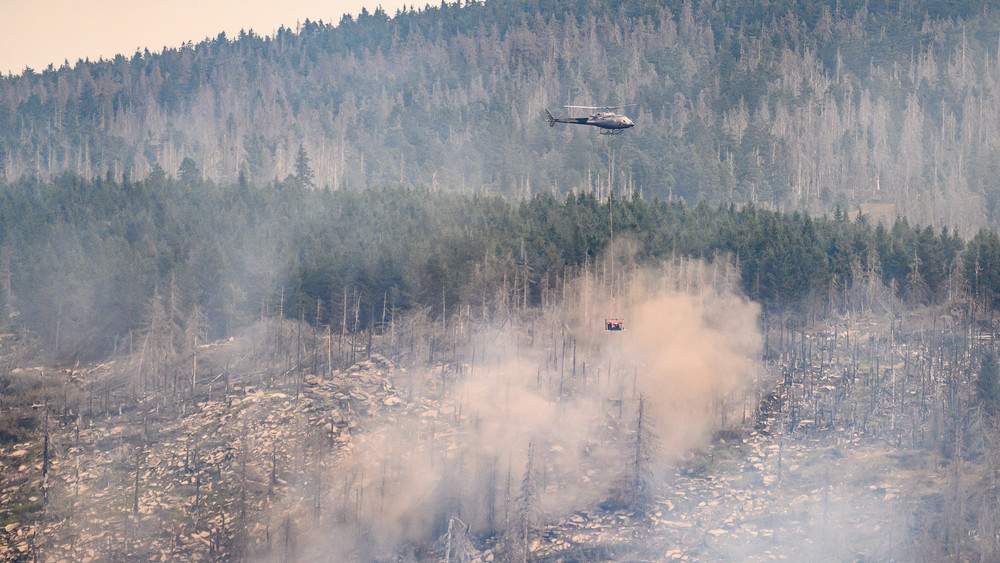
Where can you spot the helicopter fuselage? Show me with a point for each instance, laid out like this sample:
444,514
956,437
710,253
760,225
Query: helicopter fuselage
604,120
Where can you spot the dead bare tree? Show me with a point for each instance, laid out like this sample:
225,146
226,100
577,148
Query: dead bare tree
634,490
516,540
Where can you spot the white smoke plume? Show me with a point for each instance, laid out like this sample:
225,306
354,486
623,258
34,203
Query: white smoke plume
536,419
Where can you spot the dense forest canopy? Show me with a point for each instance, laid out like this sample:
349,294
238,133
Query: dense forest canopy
84,263
340,173
881,106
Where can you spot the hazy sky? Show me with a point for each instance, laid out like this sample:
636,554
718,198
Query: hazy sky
38,32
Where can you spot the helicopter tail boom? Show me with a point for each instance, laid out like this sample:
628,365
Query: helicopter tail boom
560,119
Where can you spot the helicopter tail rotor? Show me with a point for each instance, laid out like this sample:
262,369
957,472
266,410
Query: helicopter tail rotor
552,120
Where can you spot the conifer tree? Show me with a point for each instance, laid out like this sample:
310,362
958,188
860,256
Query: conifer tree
303,173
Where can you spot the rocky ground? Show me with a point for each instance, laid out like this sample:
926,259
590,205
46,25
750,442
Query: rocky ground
196,485
827,498
176,487
843,501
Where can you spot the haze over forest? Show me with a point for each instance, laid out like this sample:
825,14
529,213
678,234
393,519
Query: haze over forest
340,293
793,104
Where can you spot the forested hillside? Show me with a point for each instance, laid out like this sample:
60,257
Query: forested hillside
85,264
426,375
884,106
337,294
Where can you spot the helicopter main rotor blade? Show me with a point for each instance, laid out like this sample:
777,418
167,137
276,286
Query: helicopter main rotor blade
601,107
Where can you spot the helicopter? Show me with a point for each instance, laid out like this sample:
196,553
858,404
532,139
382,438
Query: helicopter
612,122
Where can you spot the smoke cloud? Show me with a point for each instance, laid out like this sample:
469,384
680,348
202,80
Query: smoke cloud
536,414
